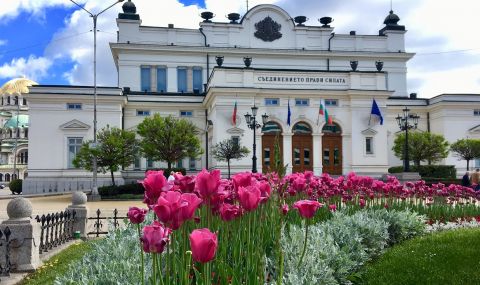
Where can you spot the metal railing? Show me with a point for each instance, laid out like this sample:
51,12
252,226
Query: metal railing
5,242
56,229
98,224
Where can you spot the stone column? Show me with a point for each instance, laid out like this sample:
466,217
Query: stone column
287,151
317,154
79,205
25,237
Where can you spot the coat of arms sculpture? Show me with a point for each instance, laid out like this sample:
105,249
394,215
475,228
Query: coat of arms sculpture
268,30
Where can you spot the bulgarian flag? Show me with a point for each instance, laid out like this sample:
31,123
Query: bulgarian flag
322,110
234,115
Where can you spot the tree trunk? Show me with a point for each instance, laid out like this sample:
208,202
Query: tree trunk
228,165
468,164
113,180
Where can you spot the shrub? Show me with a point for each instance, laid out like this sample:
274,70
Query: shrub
432,171
108,191
16,186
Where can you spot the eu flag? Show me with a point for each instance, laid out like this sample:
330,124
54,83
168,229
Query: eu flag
376,111
289,113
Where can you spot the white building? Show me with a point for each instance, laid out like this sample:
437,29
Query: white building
174,71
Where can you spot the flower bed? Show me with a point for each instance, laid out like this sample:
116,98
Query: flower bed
255,228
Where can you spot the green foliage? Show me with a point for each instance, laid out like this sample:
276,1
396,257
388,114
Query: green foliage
430,171
442,258
277,165
57,264
168,139
466,149
422,146
340,246
227,150
16,186
116,148
114,190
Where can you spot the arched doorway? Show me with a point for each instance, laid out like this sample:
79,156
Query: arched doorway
271,132
302,150
332,149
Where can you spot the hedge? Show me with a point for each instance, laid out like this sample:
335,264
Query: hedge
108,191
15,186
431,171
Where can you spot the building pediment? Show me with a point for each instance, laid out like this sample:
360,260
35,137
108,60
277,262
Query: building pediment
475,130
235,131
369,132
74,125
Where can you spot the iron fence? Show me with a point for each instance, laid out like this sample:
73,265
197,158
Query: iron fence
98,224
5,242
56,229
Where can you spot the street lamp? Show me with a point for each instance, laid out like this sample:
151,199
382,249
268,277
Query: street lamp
94,194
252,123
407,122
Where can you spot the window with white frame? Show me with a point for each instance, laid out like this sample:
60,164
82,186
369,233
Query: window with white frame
476,112
74,106
145,79
331,102
186,113
369,145
192,164
74,145
143,113
136,163
149,163
302,102
271,101
197,78
161,79
182,79
236,140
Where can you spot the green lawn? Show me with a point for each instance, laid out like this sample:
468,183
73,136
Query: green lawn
56,265
450,257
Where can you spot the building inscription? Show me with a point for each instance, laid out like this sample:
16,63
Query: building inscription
301,79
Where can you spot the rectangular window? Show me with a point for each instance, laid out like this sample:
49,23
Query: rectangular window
477,163
74,106
186,113
301,102
197,80
236,140
271,101
476,112
192,164
136,163
180,163
161,79
331,102
74,145
149,163
143,113
145,83
369,145
182,79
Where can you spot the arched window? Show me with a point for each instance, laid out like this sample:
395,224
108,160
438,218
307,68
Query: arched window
333,129
7,177
24,102
18,133
10,132
1,176
25,132
302,128
8,100
2,100
14,176
15,100
271,128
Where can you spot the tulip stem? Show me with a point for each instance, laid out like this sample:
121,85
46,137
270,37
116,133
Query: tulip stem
304,243
154,268
141,257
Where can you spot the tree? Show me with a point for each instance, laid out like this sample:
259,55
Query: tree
115,148
227,150
466,149
422,146
168,139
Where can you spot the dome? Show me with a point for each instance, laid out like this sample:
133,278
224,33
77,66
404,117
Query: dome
391,19
17,86
129,7
12,122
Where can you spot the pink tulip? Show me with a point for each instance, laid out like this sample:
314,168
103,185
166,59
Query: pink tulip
361,203
307,208
192,204
206,183
204,245
154,183
174,208
242,179
332,207
136,215
155,237
229,212
285,209
186,184
249,197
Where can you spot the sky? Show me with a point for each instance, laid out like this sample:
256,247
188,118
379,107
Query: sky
51,41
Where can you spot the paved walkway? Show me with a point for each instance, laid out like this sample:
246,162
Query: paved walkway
54,203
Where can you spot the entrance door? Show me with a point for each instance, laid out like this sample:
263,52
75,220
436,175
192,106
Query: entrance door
271,132
302,148
332,149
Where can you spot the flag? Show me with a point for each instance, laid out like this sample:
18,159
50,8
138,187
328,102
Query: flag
289,114
234,115
323,111
320,112
376,111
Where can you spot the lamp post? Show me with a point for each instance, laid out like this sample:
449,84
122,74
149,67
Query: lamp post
94,194
252,123
407,122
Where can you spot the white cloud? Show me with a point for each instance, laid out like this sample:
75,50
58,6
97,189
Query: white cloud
35,7
34,68
3,42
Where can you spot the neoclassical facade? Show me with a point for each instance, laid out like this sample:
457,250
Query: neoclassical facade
267,59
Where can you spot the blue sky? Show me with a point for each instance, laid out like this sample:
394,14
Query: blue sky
50,40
